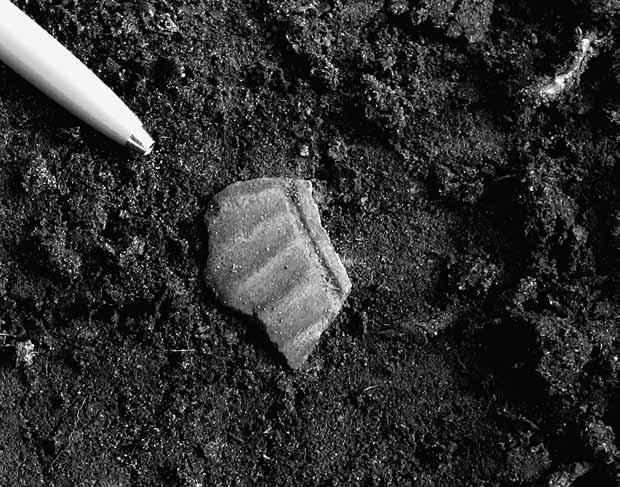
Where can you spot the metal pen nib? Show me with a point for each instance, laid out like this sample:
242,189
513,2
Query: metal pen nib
141,142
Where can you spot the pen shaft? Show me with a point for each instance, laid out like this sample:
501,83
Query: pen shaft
39,58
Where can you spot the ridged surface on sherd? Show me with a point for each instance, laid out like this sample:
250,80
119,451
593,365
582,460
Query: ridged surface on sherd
269,257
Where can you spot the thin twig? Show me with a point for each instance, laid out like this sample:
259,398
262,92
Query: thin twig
70,439
460,361
370,388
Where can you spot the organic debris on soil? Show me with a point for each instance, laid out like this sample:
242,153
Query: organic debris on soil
481,231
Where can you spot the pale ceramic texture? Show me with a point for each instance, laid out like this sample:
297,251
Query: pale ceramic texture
269,257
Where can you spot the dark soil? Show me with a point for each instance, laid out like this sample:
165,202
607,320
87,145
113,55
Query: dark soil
480,228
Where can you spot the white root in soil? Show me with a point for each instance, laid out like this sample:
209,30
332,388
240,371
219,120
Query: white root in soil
551,89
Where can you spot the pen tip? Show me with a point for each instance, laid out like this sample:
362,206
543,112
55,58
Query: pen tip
141,142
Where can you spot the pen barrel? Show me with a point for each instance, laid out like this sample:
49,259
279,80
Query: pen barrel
39,58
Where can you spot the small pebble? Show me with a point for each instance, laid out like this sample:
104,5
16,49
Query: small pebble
24,354
270,258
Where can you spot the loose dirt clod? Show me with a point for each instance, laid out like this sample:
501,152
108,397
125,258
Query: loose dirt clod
469,18
269,257
567,476
24,354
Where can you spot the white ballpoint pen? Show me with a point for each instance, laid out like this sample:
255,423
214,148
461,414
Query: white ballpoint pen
39,58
